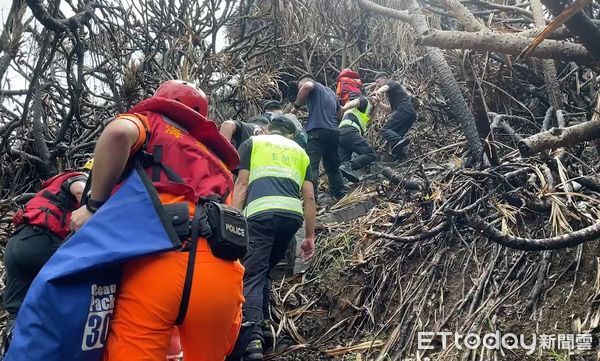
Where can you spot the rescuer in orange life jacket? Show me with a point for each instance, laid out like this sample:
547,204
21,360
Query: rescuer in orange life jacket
40,229
191,160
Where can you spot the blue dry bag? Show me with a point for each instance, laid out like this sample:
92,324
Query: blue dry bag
66,313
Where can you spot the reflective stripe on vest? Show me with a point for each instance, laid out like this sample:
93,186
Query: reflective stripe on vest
349,122
363,119
274,156
274,203
276,171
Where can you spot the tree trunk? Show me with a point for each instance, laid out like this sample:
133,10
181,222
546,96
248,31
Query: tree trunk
480,112
11,35
505,43
466,17
41,148
450,88
446,79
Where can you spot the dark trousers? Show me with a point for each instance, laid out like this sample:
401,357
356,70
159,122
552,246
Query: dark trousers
352,142
26,252
323,144
398,125
269,237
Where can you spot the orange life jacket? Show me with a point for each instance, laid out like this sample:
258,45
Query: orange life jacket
180,166
195,124
348,86
51,207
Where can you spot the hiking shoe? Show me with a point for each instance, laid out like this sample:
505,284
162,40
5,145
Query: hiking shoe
397,148
254,351
348,173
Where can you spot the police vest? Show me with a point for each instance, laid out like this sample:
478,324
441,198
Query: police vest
359,120
277,171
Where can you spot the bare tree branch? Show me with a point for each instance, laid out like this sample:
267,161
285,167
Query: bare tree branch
579,25
590,233
505,43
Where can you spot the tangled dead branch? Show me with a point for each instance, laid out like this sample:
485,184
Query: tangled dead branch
398,270
416,261
587,234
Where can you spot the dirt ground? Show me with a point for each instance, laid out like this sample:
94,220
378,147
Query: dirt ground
338,316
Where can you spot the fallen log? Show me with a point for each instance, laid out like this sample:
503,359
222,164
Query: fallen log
560,137
589,182
505,43
500,123
534,244
397,179
505,8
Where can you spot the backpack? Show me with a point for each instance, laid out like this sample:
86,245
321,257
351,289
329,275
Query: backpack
348,86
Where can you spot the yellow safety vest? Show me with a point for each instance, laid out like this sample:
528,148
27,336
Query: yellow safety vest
362,117
275,160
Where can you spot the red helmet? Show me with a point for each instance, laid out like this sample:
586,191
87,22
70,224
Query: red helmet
349,73
185,93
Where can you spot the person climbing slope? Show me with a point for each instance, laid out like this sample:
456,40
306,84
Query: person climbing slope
402,115
323,133
237,132
275,190
349,86
357,114
184,169
272,108
39,230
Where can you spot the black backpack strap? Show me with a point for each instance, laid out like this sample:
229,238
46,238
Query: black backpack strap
156,166
171,174
225,195
154,160
237,134
62,200
56,199
189,274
